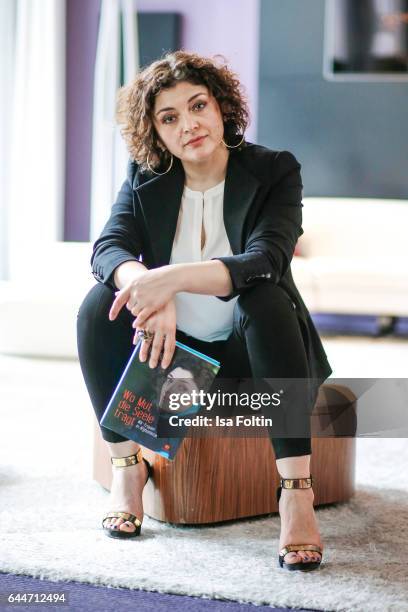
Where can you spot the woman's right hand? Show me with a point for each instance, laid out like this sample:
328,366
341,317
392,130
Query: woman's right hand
163,324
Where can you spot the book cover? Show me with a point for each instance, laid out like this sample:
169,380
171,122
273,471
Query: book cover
147,400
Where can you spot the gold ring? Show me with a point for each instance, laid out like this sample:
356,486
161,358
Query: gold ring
145,334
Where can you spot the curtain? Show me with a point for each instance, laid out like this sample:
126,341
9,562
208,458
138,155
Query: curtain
33,108
117,62
7,38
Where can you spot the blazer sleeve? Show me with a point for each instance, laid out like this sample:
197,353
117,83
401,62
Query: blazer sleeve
119,241
270,245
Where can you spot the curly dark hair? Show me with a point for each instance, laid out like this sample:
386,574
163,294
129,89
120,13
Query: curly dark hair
135,101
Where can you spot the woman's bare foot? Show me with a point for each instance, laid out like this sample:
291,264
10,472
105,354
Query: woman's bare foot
126,495
298,524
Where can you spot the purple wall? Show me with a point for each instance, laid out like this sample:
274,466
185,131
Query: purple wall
82,31
228,27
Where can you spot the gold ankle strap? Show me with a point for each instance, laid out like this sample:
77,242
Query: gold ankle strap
130,460
296,483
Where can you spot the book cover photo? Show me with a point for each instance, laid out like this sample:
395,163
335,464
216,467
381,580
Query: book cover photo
146,398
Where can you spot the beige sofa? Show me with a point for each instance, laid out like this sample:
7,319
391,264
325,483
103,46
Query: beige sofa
354,257
38,314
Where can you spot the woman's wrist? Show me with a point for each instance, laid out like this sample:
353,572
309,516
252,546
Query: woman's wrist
206,277
127,271
178,277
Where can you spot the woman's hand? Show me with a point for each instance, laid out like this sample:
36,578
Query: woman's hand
146,294
163,324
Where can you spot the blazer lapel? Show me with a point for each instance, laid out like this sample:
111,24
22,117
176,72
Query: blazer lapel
239,192
160,200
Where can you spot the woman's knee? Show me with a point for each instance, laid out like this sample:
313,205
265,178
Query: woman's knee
93,315
263,299
95,329
96,303
266,319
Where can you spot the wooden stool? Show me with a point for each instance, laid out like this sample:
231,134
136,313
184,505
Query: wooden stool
213,480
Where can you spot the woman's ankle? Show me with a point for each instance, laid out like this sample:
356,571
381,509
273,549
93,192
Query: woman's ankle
123,449
294,467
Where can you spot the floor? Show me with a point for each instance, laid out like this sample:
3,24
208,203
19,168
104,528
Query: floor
81,597
352,357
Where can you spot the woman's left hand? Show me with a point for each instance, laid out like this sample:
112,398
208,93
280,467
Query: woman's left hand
146,294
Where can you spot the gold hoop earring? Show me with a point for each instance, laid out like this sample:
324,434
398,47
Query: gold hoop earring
159,173
233,146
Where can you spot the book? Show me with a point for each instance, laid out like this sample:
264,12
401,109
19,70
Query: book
149,405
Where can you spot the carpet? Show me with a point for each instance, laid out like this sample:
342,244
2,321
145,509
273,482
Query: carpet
51,511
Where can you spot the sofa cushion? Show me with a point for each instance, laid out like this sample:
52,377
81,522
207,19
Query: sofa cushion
39,318
377,285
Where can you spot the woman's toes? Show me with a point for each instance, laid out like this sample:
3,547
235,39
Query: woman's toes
301,556
126,526
305,556
310,556
292,557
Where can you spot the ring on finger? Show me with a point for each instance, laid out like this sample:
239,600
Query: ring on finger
145,334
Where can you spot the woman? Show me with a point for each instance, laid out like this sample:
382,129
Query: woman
198,249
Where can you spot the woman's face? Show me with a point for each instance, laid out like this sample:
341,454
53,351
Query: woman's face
184,113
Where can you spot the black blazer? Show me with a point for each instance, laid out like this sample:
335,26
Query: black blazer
262,217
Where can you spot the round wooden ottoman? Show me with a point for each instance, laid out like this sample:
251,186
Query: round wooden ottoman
213,480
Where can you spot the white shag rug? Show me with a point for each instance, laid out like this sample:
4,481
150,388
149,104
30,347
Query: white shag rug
51,512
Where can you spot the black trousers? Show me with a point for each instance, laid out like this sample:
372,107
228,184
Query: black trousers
266,342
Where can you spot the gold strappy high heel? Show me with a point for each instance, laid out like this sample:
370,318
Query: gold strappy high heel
120,533
297,483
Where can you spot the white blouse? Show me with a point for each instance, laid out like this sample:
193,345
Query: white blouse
203,316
